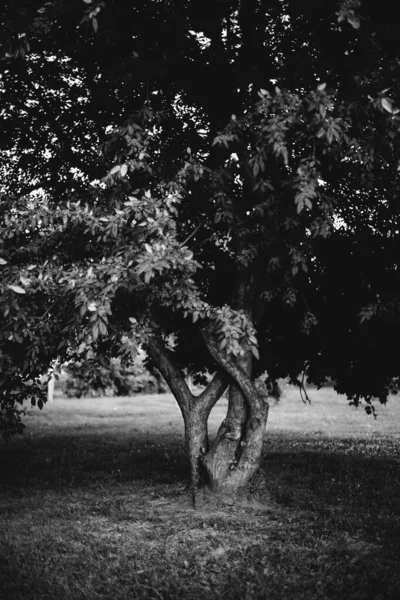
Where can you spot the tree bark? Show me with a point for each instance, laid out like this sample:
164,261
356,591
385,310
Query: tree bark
227,467
236,452
195,409
220,460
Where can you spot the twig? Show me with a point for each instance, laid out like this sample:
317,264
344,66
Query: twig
189,237
303,390
51,306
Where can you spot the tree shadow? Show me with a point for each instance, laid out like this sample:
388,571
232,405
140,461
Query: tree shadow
336,503
337,490
87,457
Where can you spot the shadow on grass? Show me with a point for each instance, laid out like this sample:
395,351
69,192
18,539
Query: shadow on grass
339,488
86,458
333,532
351,481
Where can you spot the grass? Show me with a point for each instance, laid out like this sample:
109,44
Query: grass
93,506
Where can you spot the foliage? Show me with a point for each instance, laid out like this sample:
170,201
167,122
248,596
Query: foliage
254,206
89,379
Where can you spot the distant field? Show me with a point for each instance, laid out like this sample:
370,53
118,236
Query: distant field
329,414
93,506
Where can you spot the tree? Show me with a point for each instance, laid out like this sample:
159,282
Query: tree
216,181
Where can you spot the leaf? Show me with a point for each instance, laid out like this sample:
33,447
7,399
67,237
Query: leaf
17,289
3,261
95,25
354,21
387,104
321,87
222,345
148,275
115,169
92,307
95,332
102,328
124,170
255,352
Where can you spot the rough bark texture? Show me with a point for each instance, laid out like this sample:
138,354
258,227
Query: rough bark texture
236,452
221,459
161,357
228,466
195,409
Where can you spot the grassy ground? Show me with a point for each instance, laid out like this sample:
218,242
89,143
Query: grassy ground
93,506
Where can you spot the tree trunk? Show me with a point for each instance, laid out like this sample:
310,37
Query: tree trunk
197,444
195,409
236,452
227,467
220,460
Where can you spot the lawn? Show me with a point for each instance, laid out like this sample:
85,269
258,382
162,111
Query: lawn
93,506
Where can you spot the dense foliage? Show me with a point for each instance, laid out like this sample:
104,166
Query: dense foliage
217,181
88,379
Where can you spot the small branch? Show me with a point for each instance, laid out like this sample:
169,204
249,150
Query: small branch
303,390
189,237
51,307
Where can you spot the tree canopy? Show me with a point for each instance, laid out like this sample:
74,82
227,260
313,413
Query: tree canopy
217,181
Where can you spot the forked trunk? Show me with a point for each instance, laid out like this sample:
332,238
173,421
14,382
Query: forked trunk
236,451
227,467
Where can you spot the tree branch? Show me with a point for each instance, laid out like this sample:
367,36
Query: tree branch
212,393
189,237
238,375
172,375
205,401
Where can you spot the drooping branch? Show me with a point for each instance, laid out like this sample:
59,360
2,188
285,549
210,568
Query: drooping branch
172,375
